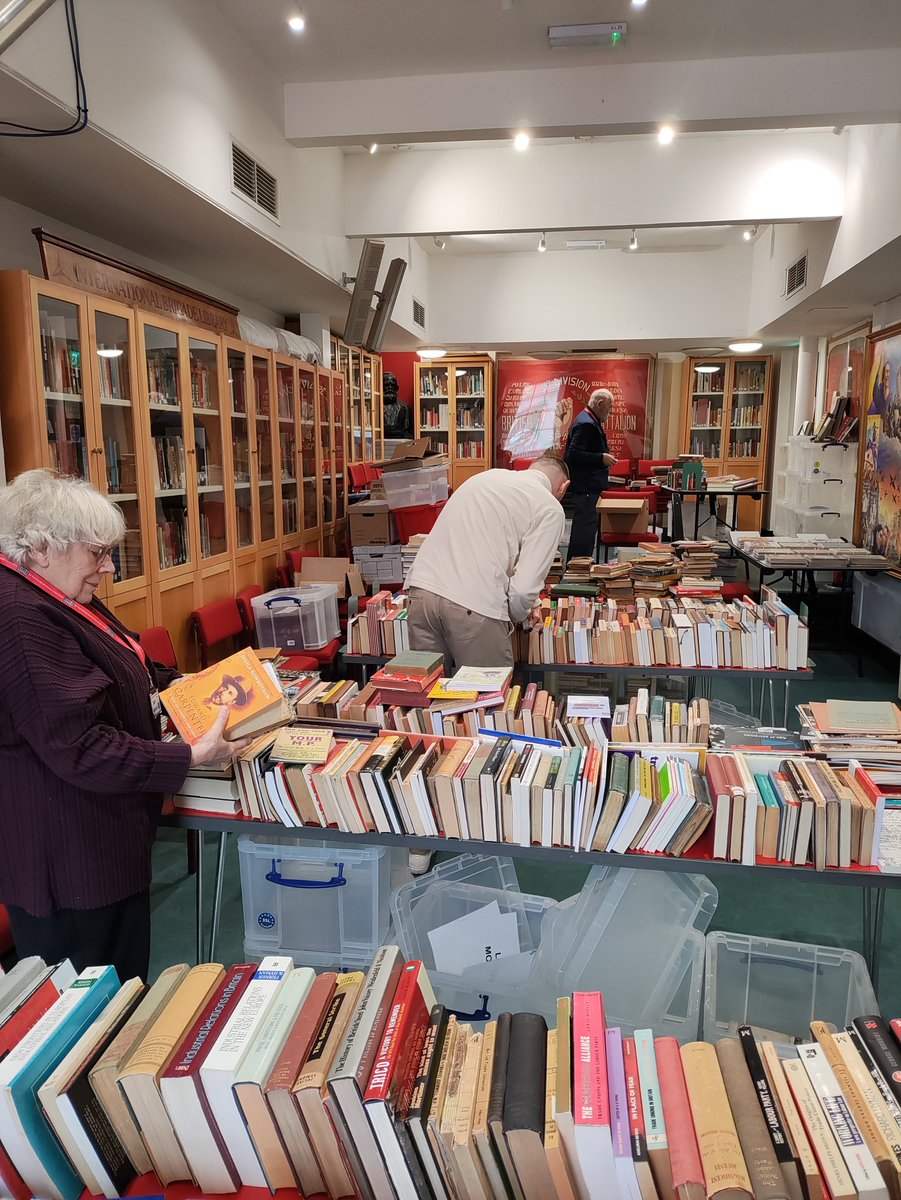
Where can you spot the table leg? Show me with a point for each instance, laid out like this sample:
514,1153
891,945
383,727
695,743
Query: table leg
876,950
751,695
217,894
867,926
785,705
772,709
198,883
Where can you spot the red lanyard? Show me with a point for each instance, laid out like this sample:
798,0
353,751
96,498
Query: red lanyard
94,618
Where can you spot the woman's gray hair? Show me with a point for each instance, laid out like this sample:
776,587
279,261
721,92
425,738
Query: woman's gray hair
40,509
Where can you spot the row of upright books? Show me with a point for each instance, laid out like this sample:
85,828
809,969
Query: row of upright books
683,632
362,1085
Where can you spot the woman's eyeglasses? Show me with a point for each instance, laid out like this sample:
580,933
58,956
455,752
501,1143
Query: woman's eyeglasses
101,553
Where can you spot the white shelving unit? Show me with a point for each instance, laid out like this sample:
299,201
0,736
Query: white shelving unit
814,488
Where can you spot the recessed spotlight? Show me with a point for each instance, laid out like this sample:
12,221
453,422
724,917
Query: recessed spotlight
744,347
296,22
521,141
373,148
431,352
665,134
633,243
542,244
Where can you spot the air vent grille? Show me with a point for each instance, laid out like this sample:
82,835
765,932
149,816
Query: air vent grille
254,182
796,276
418,313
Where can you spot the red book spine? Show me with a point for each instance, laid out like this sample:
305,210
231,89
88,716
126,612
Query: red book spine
685,1157
865,781
409,1011
27,1015
591,1102
198,1041
637,1133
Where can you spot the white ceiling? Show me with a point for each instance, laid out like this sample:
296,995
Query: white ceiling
362,39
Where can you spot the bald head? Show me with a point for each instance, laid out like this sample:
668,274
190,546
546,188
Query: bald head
601,402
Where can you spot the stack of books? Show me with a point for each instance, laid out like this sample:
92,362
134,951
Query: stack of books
554,574
654,719
868,731
655,572
409,551
381,628
614,579
345,1084
727,484
813,551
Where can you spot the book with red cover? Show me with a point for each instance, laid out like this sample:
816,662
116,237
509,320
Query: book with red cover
591,1104
637,1136
183,1093
387,1096
685,1157
390,681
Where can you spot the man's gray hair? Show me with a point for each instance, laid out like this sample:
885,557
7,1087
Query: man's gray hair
39,510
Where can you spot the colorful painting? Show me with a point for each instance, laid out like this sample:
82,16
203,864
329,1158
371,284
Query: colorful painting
880,459
538,401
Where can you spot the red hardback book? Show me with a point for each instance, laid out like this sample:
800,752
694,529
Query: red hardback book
183,1092
590,1098
388,681
685,1157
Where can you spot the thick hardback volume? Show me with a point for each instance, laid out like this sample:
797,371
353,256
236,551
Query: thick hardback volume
497,1100
767,1180
652,1109
591,1107
439,1098
524,1104
637,1138
467,1165
685,1157
769,1110
725,1173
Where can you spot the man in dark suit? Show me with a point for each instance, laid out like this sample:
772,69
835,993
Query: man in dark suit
589,460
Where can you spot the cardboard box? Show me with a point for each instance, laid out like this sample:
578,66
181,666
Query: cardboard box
339,571
626,516
370,523
410,455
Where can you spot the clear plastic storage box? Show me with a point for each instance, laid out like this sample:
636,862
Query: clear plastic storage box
297,618
422,485
325,905
780,987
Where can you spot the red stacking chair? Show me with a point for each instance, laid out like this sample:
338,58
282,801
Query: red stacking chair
737,591
629,539
623,468
158,644
215,624
294,662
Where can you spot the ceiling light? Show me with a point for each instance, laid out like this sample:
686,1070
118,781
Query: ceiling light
521,141
373,148
744,347
542,244
707,369
665,134
633,244
585,244
431,352
609,34
639,3
439,242
750,233
296,22
109,351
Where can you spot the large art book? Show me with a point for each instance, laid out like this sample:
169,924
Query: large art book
240,683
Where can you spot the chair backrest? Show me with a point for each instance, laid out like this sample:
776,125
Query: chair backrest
158,644
245,605
215,623
623,468
358,476
284,577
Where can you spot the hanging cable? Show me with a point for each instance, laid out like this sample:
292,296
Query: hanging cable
14,129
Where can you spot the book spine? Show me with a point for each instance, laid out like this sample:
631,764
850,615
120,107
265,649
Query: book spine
781,1147
875,1035
685,1157
590,1100
392,1043
637,1138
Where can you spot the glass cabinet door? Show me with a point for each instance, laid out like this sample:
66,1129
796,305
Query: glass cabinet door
432,417
167,448
61,354
368,427
325,444
469,412
265,457
746,415
706,408
306,382
122,481
209,454
287,445
241,446
356,406
340,451
378,413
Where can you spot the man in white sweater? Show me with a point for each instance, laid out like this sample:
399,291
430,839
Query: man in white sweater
482,567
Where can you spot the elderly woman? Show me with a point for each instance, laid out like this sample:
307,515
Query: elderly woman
82,769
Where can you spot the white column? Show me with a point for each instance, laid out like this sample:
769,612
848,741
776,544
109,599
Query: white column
805,383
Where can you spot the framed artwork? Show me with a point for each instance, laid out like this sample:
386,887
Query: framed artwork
879,467
846,359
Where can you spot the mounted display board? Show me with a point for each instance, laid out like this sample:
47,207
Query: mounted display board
879,475
538,401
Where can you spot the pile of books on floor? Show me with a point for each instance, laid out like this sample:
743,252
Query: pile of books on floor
554,574
381,628
348,1084
813,551
668,632
653,719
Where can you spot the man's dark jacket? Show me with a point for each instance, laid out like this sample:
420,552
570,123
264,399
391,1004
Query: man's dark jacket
585,448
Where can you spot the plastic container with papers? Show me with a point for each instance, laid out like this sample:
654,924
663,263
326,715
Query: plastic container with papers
325,905
422,485
779,987
297,618
638,937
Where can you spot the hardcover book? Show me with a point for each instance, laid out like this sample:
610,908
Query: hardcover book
239,683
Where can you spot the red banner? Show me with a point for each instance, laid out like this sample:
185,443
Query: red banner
538,401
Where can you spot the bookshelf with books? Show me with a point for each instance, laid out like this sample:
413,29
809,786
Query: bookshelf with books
453,408
324,453
307,392
288,451
362,375
726,418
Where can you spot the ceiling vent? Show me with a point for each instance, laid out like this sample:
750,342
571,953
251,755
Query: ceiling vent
796,276
254,182
418,313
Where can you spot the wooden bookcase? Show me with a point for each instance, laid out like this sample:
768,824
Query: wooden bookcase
453,406
727,413
216,451
362,375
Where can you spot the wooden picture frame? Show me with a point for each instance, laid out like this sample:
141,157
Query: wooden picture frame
878,509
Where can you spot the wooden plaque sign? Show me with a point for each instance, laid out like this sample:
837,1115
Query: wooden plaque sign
77,266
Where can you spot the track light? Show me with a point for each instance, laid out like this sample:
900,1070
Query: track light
633,244
373,148
542,244
440,243
750,233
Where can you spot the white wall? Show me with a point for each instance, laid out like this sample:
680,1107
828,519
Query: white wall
872,209
581,298
775,250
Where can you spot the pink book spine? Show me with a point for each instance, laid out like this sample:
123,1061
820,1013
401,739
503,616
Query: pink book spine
591,1103
685,1157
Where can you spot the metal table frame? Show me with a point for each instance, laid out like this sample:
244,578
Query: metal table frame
679,494
873,884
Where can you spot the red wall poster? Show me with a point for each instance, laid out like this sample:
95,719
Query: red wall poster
538,401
